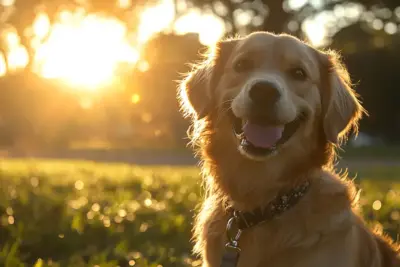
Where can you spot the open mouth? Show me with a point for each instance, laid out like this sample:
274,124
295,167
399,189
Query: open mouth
259,140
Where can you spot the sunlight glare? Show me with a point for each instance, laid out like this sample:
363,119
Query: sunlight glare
7,3
124,3
377,205
17,58
155,19
315,31
143,66
135,98
209,27
296,4
85,52
86,103
41,25
3,65
12,39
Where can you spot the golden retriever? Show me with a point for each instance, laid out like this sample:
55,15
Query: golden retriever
268,111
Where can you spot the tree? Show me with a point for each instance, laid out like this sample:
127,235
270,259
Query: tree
21,15
278,16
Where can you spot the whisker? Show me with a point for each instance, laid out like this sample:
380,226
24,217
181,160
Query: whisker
222,113
224,109
225,102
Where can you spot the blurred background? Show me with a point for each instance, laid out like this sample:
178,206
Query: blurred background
86,81
85,76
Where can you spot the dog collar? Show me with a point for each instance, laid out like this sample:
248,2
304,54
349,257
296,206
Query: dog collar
240,221
276,207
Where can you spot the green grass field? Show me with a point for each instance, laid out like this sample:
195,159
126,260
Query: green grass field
60,213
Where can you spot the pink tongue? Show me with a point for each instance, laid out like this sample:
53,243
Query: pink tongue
262,136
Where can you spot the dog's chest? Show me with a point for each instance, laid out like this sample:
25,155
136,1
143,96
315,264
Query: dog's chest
290,247
312,252
273,247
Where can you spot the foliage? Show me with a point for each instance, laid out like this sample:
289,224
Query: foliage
289,16
22,13
26,122
39,113
240,16
87,214
245,16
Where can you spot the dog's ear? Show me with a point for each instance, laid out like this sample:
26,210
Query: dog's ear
196,90
341,109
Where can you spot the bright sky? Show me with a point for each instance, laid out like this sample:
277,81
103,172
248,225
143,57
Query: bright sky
84,50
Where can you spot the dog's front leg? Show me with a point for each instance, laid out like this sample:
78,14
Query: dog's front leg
211,239
212,254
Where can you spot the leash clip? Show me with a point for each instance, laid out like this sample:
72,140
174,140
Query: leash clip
230,258
233,234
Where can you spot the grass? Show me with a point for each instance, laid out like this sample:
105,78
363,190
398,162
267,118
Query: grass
69,213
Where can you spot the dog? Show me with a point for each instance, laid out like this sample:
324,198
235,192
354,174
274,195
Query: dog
268,112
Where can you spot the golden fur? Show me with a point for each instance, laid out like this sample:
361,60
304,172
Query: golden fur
324,228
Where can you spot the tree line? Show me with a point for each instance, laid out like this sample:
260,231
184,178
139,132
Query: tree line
366,32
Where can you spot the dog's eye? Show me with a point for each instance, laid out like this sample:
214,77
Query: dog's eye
298,74
243,65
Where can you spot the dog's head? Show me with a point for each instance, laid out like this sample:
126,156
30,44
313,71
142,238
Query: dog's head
270,94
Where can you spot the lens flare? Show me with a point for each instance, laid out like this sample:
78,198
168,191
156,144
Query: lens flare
85,52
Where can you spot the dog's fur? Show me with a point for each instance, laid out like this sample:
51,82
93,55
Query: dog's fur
324,228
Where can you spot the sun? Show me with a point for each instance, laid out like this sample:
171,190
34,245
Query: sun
84,50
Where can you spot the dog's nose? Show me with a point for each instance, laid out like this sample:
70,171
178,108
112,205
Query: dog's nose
264,93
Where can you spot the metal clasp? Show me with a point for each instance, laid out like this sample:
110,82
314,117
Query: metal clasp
233,235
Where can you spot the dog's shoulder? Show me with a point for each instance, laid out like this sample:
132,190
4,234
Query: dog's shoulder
338,196
329,186
389,250
331,202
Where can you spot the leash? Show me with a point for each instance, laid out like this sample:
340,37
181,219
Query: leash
240,221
